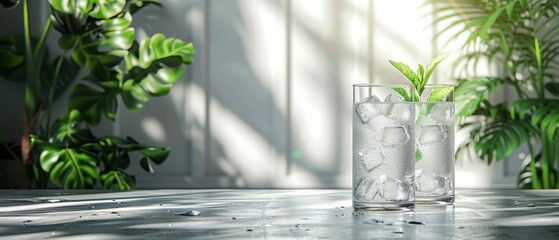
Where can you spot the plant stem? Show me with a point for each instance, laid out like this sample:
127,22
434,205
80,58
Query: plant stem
538,54
535,180
545,161
39,50
556,154
51,92
29,101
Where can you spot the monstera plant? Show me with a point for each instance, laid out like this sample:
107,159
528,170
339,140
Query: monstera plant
96,40
520,37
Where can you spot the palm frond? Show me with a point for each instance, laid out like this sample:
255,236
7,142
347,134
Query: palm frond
470,93
531,174
541,113
496,139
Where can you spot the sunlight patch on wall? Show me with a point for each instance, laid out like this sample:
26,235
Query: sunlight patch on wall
313,93
153,129
399,33
247,152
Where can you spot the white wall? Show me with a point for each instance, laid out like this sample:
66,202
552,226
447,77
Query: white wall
267,102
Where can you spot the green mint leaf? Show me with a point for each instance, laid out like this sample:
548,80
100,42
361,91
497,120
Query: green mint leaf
406,70
439,94
418,155
403,93
431,66
422,81
420,77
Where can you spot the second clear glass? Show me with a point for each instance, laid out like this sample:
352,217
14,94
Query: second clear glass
434,154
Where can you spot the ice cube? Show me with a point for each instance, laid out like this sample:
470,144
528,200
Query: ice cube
395,136
399,112
442,112
381,121
394,189
367,111
367,188
373,99
431,183
392,99
433,134
371,157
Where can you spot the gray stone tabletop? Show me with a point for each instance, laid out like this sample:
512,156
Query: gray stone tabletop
270,214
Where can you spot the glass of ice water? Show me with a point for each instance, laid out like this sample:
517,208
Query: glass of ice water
383,147
434,156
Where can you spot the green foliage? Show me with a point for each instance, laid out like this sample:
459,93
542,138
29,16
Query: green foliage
470,93
522,38
67,167
9,3
75,158
420,77
439,94
96,38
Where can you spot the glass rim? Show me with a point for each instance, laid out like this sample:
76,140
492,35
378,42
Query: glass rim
440,85
382,85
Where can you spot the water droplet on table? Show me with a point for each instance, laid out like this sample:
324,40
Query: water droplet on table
416,222
374,221
189,213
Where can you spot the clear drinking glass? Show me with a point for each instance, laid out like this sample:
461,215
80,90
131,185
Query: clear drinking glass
383,147
434,131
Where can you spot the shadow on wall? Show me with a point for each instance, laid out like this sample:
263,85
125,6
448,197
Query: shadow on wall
245,145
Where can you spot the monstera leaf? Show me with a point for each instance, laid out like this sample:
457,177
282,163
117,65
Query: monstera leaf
93,103
117,146
12,57
118,180
135,5
69,17
68,167
68,130
71,6
59,83
106,42
98,31
105,9
9,3
115,156
100,9
9,56
153,67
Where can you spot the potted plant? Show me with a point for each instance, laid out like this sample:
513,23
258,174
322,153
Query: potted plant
521,37
96,37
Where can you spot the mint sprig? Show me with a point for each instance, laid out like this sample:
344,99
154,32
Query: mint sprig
420,77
